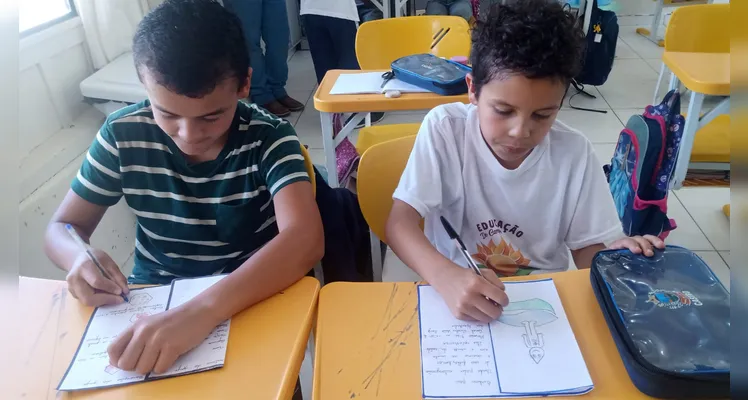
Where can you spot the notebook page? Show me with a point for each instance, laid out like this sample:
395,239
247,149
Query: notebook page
358,83
90,366
536,351
211,353
457,358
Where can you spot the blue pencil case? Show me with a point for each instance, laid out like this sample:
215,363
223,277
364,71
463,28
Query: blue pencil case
432,73
670,318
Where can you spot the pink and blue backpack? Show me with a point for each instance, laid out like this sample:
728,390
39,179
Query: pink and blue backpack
641,169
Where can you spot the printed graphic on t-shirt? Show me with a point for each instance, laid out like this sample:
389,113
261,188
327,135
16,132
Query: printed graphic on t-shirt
503,258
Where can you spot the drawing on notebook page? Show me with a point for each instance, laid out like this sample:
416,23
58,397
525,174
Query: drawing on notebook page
136,317
530,314
140,299
111,370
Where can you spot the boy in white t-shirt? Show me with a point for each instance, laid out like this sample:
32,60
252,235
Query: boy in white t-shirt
520,188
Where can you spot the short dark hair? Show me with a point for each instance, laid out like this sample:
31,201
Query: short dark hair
534,38
190,46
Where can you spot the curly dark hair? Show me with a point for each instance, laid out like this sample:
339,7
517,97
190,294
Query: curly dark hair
190,46
535,38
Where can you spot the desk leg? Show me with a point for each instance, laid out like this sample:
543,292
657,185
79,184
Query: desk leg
686,142
328,142
651,34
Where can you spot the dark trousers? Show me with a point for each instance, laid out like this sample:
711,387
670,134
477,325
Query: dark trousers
332,42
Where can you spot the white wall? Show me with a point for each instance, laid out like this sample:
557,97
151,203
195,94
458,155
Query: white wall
56,128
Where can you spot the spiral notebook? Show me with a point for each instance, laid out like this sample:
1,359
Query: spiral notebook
529,352
90,367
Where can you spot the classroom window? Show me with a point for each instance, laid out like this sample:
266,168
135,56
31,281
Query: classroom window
35,15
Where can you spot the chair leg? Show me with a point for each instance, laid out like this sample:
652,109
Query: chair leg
659,81
377,263
319,274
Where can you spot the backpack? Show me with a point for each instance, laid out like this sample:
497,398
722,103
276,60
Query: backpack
642,166
602,37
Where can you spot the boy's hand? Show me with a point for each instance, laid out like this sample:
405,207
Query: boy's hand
154,343
87,284
639,244
465,293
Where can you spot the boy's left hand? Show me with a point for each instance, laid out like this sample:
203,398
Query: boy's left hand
639,244
153,343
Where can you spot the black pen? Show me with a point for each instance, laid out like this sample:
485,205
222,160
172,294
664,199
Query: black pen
461,245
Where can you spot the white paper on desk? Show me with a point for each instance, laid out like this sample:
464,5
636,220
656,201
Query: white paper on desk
529,351
211,353
90,367
536,351
370,83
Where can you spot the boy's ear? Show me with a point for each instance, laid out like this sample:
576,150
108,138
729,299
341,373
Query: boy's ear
244,88
472,90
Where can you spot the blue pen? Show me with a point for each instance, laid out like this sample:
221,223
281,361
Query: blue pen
93,258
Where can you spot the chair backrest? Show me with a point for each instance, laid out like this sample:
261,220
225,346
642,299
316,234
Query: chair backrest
702,28
379,173
380,42
309,168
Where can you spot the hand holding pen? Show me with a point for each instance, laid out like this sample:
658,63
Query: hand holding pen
94,277
471,294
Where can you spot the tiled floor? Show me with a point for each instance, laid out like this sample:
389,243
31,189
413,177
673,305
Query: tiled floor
698,211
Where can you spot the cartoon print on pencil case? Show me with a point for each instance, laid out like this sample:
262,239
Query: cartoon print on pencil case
530,314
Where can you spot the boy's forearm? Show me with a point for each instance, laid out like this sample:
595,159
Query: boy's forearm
409,243
61,249
280,263
583,257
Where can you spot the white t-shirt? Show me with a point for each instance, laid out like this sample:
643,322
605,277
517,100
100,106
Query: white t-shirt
343,9
516,221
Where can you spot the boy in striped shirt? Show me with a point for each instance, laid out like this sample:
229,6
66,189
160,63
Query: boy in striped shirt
217,185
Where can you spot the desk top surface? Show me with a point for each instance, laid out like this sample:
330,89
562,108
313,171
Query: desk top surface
265,351
367,343
348,103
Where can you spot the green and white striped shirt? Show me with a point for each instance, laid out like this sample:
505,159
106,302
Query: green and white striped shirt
193,219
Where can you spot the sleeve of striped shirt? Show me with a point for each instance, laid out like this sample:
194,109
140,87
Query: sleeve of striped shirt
282,162
98,180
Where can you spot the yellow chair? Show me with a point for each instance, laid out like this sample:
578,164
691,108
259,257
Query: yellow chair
380,42
726,210
379,173
700,28
309,168
703,28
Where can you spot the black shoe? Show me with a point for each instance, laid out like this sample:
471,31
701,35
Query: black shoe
376,117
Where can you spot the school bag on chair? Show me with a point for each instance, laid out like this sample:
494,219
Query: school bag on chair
600,49
641,168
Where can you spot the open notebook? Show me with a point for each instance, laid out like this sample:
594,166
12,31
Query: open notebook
529,351
370,83
90,367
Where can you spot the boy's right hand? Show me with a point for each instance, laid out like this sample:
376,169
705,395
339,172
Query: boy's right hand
87,284
465,293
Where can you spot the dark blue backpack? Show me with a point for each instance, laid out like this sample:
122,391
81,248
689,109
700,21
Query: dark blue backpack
641,168
602,37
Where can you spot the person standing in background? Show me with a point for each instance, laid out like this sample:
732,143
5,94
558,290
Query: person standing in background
459,8
367,11
267,20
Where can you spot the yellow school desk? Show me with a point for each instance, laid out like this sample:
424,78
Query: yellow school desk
705,74
360,104
265,351
367,340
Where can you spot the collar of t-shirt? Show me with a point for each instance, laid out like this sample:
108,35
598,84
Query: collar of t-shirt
488,156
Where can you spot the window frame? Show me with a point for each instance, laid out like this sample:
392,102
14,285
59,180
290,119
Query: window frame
38,28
